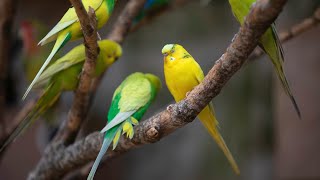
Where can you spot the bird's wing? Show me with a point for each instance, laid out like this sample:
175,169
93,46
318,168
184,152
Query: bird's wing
69,18
132,94
75,56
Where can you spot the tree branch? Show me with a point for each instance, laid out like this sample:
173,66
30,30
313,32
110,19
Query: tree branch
118,34
69,129
294,31
263,13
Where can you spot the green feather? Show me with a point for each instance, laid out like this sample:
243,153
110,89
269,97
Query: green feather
63,75
129,103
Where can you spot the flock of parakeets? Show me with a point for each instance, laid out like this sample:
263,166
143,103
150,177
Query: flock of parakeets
135,94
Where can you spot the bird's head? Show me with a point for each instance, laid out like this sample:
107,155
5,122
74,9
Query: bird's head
110,49
174,53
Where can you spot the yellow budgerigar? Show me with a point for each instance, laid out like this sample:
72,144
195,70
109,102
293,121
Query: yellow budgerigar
69,28
182,74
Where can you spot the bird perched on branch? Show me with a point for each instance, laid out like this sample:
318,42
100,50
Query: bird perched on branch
182,74
63,75
269,43
129,103
69,28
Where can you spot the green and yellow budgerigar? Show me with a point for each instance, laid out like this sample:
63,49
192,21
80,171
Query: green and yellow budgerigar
269,42
129,103
63,75
69,28
182,74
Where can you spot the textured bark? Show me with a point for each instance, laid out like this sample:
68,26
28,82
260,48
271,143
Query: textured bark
78,112
61,160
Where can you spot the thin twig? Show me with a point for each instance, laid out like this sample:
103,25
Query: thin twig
263,13
69,129
294,31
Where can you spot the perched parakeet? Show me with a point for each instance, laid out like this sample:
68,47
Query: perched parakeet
182,74
269,42
129,103
69,28
63,75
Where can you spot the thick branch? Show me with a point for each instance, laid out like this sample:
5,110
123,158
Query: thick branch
294,31
69,129
176,116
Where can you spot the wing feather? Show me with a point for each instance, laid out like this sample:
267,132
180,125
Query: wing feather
68,19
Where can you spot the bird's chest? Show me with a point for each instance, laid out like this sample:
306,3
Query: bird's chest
180,81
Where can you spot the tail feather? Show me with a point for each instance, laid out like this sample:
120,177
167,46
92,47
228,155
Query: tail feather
49,97
270,44
105,145
286,88
61,41
209,121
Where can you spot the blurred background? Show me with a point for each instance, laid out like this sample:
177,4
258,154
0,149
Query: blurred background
257,119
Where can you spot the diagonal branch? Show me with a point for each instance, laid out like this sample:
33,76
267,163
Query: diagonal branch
69,129
263,13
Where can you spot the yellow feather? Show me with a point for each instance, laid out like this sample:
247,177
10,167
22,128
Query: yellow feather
182,74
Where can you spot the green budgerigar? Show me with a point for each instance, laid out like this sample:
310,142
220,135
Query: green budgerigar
129,103
69,28
63,75
269,42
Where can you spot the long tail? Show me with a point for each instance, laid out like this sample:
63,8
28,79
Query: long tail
270,43
105,145
209,121
286,88
46,101
61,41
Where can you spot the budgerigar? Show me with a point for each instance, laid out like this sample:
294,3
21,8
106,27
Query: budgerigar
182,74
69,28
129,103
270,44
63,75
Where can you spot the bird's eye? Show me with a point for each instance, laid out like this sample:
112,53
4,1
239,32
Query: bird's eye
172,51
172,58
165,54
